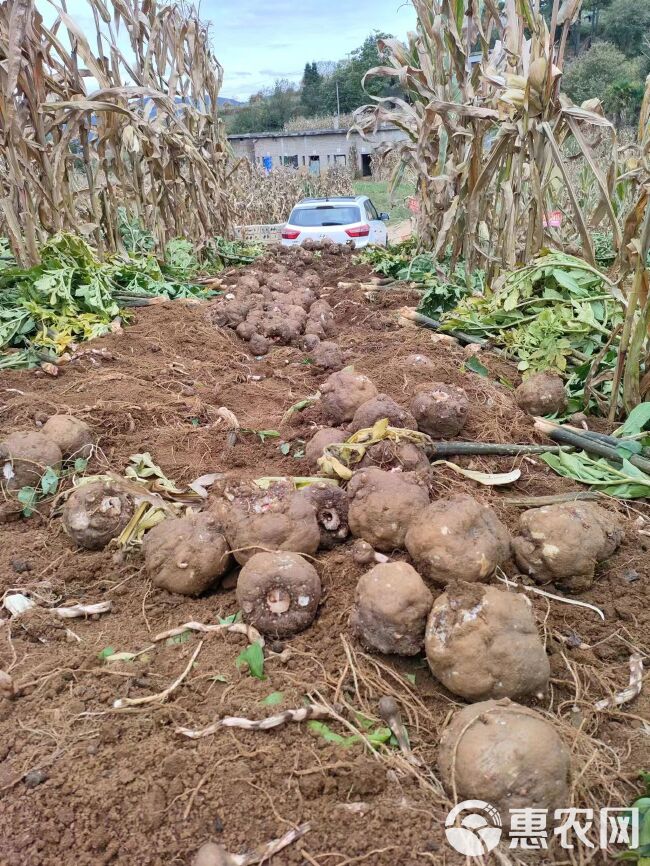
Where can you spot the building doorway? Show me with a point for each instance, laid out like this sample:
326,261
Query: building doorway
314,165
366,168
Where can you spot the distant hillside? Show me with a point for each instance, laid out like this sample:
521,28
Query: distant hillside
224,100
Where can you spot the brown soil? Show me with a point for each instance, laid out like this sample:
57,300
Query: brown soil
120,786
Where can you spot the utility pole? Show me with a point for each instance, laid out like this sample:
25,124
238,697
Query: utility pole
338,107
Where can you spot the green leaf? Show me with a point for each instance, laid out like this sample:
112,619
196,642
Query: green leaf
219,678
27,497
183,637
628,448
107,652
284,448
378,737
80,464
253,657
267,434
474,366
327,733
49,481
637,421
273,699
230,620
627,482
410,678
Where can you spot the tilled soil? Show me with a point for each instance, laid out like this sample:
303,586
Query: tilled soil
82,783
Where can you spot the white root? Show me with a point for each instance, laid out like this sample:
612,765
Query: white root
632,691
121,703
78,610
539,591
263,852
232,422
236,628
312,711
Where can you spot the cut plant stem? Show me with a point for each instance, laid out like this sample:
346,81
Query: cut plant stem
435,325
389,712
585,443
556,499
439,449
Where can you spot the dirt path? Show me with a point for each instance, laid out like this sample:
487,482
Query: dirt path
400,231
120,786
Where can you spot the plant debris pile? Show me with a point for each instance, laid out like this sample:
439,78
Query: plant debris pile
72,296
557,313
443,286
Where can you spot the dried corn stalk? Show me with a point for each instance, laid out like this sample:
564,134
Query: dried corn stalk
262,197
485,141
130,122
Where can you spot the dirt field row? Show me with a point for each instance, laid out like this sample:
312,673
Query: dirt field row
86,784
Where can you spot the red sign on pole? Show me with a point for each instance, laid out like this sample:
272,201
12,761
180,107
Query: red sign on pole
553,219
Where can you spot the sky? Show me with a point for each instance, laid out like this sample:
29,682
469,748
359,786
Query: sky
259,42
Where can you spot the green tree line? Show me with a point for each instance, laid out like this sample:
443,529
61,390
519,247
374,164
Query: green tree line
609,58
270,109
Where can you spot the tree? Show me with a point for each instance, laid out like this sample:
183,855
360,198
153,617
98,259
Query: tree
349,75
267,110
626,23
604,72
310,98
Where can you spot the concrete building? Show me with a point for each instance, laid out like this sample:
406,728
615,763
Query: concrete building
315,151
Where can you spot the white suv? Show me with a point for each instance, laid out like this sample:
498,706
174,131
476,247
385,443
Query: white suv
341,220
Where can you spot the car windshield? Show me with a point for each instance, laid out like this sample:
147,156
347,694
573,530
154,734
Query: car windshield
327,215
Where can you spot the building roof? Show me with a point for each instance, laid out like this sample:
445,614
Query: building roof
309,132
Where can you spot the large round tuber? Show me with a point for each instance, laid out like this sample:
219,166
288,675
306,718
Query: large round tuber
542,394
327,355
417,363
563,543
325,436
457,539
187,555
343,393
383,506
277,519
73,436
25,456
506,755
97,512
331,504
390,609
482,642
395,455
278,593
377,408
440,410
